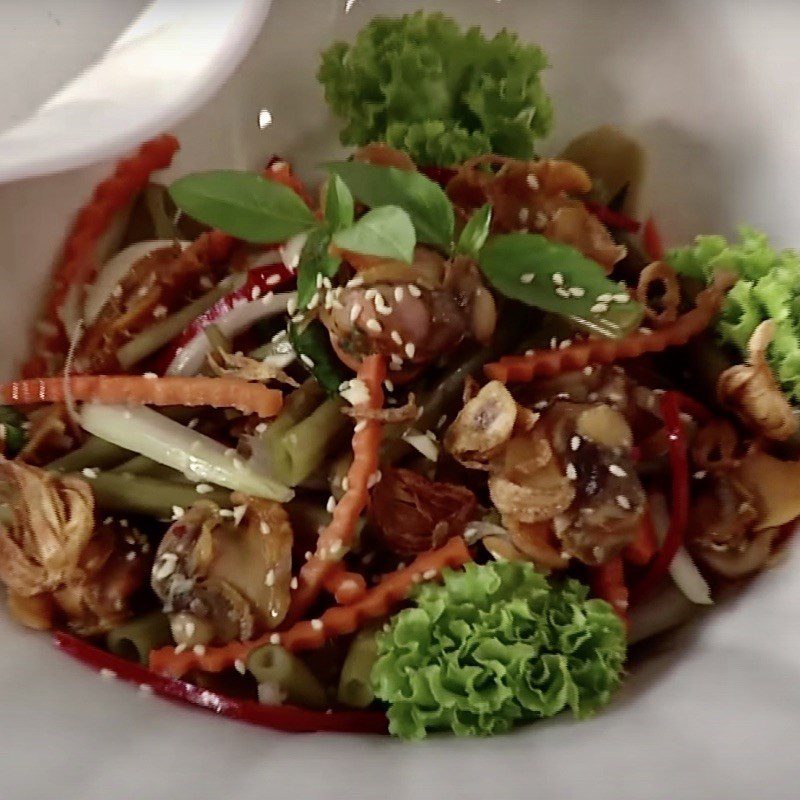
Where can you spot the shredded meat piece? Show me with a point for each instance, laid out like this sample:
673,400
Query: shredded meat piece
56,561
752,393
219,580
237,365
414,514
408,412
659,293
539,196
166,277
382,155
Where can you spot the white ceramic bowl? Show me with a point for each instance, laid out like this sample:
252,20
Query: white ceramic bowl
712,712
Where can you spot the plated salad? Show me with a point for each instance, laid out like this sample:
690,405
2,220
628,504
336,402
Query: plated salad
421,446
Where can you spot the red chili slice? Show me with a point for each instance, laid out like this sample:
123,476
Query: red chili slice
283,718
613,219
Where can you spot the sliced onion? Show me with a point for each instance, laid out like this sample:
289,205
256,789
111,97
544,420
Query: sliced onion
423,444
114,270
665,610
683,570
191,357
291,250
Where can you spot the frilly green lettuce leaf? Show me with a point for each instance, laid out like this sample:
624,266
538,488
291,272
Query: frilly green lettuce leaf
493,646
402,75
769,288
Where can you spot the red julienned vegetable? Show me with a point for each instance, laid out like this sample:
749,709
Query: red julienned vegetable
652,242
643,547
440,175
260,282
283,718
679,519
613,219
608,583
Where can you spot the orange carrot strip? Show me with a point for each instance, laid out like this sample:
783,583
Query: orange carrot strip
76,264
280,171
547,363
608,583
346,587
249,398
337,621
338,535
642,549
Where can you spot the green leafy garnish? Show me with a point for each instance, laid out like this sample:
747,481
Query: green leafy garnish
386,232
421,84
311,340
314,260
243,204
494,646
769,288
557,278
475,232
339,205
423,199
12,431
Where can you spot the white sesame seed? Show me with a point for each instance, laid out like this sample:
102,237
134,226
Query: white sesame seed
179,648
193,423
575,443
429,574
314,301
527,277
291,306
199,649
554,343
353,283
645,331
557,278
359,426
239,666
374,479
399,293
532,181
151,376
117,291
604,298
588,370
562,292
396,338
130,555
410,349
616,469
414,290
177,512
203,488
623,502
145,688
317,625
269,580
293,583
572,473
226,513
89,472
374,325
381,306
524,215
599,308
355,312
273,279
159,312
307,361
577,291
331,504
622,297
255,293
238,514
564,344
319,280
700,474
275,638
307,555
107,674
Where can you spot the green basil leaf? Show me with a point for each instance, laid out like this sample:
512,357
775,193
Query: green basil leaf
475,232
424,201
14,434
538,272
314,260
312,341
243,204
339,204
386,232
